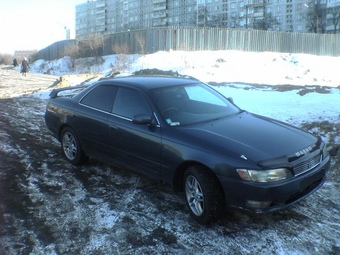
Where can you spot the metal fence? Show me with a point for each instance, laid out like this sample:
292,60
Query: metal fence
198,39
54,51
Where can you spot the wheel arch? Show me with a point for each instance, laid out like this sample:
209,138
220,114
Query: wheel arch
179,174
61,128
80,156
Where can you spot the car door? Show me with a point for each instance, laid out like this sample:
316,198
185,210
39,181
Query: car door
136,146
91,115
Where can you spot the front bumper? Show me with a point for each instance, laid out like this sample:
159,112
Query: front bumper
268,197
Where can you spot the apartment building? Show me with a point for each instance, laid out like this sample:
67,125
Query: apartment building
102,17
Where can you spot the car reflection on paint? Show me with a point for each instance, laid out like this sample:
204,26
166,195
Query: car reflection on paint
182,132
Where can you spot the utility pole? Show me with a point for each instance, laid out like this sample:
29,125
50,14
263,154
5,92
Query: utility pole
247,16
317,18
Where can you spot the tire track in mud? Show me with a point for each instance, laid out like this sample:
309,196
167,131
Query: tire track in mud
24,144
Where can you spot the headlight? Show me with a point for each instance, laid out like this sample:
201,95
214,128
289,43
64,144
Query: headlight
272,175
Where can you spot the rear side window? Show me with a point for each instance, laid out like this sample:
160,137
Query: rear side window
101,98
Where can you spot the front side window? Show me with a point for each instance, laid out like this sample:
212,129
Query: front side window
129,103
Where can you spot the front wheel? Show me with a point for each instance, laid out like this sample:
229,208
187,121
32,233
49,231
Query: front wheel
71,147
203,194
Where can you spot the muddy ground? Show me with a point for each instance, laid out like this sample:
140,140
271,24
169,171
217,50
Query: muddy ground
48,206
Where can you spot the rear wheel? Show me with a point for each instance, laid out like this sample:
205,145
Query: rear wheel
203,194
71,147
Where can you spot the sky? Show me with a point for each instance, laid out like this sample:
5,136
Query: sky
35,24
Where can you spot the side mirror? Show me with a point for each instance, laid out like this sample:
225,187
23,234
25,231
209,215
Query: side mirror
142,119
231,99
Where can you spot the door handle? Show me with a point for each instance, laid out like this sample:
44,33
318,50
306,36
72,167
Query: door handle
113,127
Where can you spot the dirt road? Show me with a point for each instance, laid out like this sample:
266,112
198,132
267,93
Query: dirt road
48,206
12,83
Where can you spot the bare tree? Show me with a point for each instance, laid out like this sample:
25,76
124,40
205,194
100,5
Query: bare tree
142,43
202,17
215,20
91,45
266,23
234,20
334,18
6,59
315,21
123,57
72,51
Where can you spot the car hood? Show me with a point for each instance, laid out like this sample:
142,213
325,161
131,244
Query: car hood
255,137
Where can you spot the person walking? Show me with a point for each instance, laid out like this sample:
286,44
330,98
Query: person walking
15,62
24,66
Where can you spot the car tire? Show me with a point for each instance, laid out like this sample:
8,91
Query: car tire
71,147
203,194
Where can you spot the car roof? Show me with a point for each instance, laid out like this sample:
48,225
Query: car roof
149,82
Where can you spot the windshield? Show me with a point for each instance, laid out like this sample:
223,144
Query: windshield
187,104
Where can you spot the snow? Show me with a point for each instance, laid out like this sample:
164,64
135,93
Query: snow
268,68
287,106
252,79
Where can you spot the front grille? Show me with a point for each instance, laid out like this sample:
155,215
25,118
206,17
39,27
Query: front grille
307,165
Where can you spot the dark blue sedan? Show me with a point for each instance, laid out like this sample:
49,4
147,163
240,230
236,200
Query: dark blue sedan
182,132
